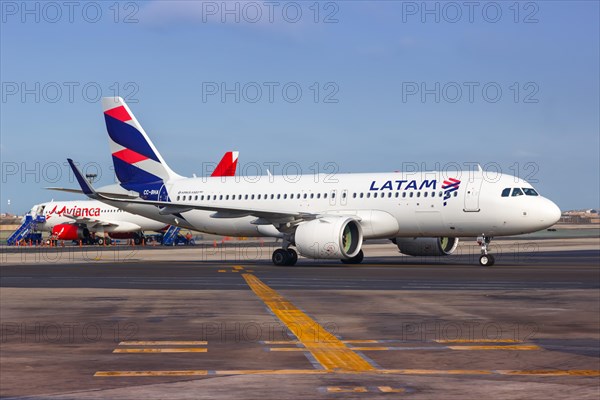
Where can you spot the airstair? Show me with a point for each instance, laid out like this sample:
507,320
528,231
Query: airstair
170,235
26,230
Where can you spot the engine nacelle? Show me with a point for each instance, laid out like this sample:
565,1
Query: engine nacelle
427,246
329,238
70,232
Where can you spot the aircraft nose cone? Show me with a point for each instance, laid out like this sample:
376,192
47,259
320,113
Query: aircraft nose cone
550,213
554,213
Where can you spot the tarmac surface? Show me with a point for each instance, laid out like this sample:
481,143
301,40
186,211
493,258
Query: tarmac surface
165,324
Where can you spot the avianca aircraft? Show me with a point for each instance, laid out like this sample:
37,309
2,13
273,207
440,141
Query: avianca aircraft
77,220
323,217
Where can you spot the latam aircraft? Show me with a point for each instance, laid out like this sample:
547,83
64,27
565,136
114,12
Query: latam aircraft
77,220
323,217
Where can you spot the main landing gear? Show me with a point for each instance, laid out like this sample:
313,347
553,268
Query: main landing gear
287,257
485,260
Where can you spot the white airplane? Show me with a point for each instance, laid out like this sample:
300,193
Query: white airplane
78,220
91,221
323,217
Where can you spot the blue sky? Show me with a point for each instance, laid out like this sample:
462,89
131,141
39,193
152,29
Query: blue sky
370,61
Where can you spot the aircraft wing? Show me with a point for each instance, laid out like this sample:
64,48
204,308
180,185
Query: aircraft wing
115,195
263,216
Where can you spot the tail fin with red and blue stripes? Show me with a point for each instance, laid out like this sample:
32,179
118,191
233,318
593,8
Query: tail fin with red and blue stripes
135,158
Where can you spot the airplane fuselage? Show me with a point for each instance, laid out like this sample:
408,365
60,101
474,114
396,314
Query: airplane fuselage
387,204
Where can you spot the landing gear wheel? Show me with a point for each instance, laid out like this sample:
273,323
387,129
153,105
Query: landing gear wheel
357,259
293,257
100,241
486,260
280,257
137,240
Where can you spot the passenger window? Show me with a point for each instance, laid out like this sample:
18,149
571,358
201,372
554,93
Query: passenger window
227,197
368,195
432,194
278,196
324,195
530,192
252,197
246,197
425,194
362,195
272,196
390,195
221,197
344,195
418,194
196,197
397,194
440,193
312,195
411,194
375,195
305,195
517,192
354,195
506,192
455,194
333,195
177,198
403,194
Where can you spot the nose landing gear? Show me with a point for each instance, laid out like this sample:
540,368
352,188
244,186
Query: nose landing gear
485,260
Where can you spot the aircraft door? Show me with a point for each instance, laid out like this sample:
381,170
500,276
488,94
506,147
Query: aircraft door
472,191
344,198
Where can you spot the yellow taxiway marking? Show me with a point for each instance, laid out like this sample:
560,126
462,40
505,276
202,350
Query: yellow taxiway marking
509,347
379,348
347,389
575,372
237,267
151,373
163,350
222,270
288,349
328,350
163,342
571,372
478,341
389,389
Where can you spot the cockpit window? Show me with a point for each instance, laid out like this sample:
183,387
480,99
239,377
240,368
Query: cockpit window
530,192
517,192
506,192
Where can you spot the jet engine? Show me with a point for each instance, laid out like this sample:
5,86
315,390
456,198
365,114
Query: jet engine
329,238
70,232
426,246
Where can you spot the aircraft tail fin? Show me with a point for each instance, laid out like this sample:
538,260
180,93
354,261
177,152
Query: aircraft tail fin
135,158
227,165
